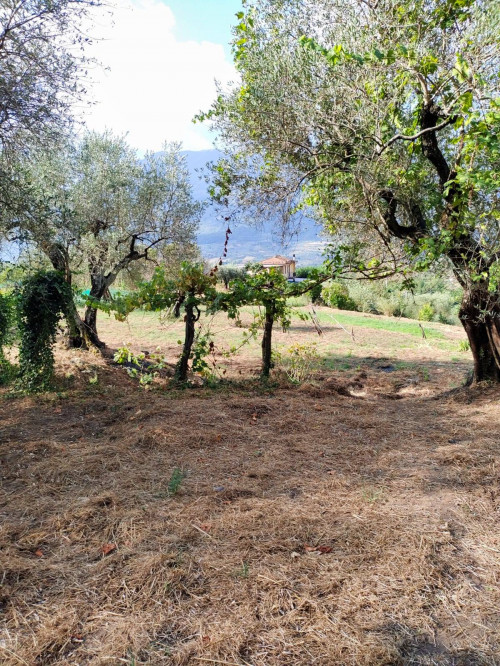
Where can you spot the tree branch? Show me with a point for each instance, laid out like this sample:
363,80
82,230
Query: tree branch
414,137
389,216
430,148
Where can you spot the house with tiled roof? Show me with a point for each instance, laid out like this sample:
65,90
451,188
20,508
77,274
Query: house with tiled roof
283,264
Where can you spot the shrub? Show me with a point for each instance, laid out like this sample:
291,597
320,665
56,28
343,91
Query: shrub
299,301
175,481
336,295
299,361
311,272
393,305
316,292
392,298
138,367
426,312
305,271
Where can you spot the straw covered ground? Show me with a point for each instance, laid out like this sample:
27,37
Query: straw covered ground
351,520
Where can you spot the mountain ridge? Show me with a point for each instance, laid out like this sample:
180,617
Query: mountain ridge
247,243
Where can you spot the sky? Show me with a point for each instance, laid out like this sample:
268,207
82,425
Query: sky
160,60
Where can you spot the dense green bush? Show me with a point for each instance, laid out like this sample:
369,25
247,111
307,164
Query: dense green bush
305,271
311,272
336,295
426,312
315,293
41,302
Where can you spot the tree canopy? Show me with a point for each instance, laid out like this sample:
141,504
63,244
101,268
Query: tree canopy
383,117
42,68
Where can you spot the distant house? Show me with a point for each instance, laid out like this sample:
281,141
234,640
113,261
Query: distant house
283,264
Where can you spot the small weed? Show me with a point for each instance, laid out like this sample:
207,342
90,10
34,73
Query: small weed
175,482
464,346
244,571
138,366
93,380
426,312
424,373
468,378
372,495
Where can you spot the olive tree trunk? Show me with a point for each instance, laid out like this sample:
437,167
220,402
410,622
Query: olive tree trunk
480,317
99,286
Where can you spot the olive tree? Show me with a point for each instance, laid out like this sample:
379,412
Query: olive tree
42,68
128,209
96,208
383,117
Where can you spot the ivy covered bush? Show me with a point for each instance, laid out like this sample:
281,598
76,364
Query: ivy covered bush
6,326
42,300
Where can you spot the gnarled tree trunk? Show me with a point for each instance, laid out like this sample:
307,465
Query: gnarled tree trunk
90,328
480,317
99,286
100,283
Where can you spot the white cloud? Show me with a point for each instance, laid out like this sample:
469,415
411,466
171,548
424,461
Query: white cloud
154,84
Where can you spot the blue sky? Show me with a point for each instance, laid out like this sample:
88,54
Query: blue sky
160,59
205,20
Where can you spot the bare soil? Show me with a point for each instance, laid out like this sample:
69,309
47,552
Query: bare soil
353,520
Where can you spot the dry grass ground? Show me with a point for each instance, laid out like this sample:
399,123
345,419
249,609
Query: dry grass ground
351,520
347,340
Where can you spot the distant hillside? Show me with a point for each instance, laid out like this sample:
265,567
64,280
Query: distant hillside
247,243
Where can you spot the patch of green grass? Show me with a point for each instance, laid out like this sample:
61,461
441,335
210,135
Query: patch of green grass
380,323
393,338
404,365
